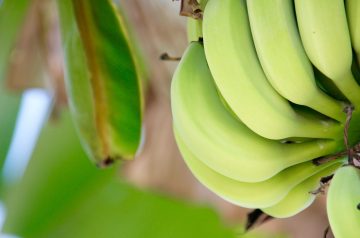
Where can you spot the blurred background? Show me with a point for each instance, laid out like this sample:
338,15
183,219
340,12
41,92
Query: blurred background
48,186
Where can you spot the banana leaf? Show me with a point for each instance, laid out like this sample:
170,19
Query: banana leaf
102,79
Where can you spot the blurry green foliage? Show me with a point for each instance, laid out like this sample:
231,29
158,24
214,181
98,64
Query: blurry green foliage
9,106
12,14
63,195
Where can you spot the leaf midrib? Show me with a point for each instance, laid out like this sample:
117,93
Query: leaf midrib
84,22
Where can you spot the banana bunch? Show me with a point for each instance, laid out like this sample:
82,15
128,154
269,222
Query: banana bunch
262,91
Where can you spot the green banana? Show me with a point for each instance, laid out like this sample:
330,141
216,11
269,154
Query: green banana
251,195
101,80
343,203
353,16
239,77
325,35
283,58
300,197
220,140
203,3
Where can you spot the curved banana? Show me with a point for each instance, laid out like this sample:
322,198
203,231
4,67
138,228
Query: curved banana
283,58
353,16
241,81
326,39
251,195
343,203
221,141
299,198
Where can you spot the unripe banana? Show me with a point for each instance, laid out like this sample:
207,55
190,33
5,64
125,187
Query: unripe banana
353,16
325,35
343,203
101,80
283,58
300,197
251,195
221,141
240,79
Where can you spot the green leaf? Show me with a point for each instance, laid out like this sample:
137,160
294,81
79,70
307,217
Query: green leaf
102,79
62,195
137,50
12,14
119,210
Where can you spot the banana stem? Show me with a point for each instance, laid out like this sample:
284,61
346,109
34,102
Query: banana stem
349,87
166,57
353,155
351,152
326,159
191,8
324,182
348,110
